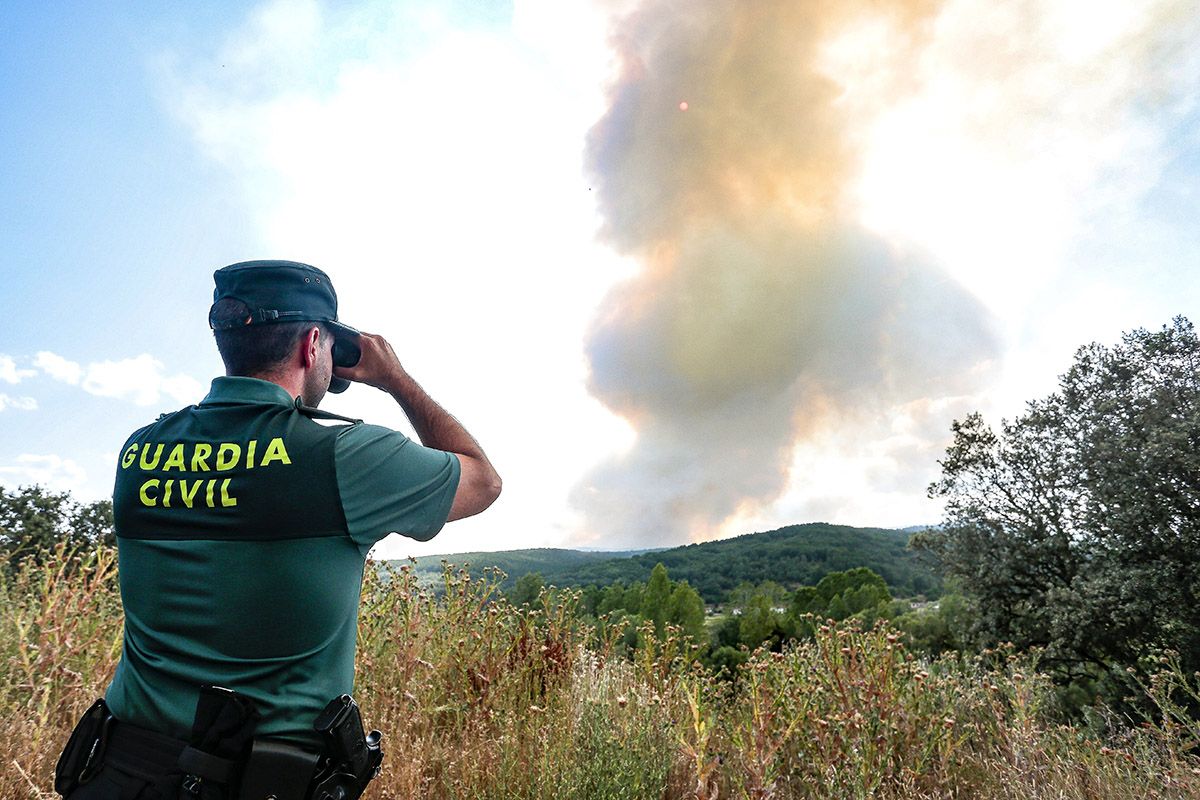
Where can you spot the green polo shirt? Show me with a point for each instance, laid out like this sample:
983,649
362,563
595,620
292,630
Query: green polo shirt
271,613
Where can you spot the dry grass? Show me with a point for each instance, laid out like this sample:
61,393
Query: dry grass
478,699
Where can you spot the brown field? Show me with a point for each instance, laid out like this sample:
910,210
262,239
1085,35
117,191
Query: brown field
478,699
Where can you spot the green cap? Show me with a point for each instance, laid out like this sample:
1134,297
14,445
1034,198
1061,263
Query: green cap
286,291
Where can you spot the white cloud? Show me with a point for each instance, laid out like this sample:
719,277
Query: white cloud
19,403
10,373
51,471
140,379
437,176
57,367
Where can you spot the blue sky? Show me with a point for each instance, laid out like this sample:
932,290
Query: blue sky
102,190
457,168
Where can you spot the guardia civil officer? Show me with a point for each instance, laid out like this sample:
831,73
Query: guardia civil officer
243,523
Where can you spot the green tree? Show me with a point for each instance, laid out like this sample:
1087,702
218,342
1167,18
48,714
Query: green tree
726,660
33,520
1076,526
632,598
728,633
839,595
837,608
612,598
528,589
759,623
656,600
937,630
687,610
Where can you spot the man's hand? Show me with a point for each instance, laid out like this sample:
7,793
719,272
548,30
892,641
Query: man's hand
478,482
378,366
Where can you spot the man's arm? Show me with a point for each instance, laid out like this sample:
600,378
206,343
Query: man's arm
479,484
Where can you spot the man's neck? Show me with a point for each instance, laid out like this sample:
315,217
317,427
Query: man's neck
292,384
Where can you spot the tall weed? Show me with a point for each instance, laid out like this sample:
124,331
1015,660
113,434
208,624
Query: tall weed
478,698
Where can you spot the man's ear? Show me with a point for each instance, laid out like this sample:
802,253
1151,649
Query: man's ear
312,347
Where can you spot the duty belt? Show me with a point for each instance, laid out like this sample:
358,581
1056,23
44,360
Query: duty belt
207,769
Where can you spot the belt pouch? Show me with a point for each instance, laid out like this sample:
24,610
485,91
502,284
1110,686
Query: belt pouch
81,758
278,770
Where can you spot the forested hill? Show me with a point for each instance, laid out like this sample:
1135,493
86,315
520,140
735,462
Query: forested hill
793,556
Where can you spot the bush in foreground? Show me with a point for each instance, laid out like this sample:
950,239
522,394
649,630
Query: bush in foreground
481,699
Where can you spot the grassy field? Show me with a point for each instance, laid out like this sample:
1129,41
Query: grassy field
478,699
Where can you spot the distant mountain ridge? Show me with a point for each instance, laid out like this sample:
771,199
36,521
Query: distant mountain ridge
792,556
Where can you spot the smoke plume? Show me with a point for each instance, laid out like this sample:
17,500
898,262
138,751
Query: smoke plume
761,309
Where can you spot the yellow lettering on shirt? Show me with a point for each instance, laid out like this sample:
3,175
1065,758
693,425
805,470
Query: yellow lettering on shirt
130,456
152,464
250,453
167,493
200,457
276,452
175,459
226,500
209,494
227,456
187,496
144,493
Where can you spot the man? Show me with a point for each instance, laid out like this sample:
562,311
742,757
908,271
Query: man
243,525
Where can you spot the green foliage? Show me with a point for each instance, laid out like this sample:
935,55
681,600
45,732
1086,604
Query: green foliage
1075,528
548,561
657,604
687,611
937,630
728,632
857,592
725,660
527,590
33,521
759,624
791,556
656,600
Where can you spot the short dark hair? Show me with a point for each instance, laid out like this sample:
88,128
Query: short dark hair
251,350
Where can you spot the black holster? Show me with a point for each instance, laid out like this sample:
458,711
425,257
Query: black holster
354,756
81,758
